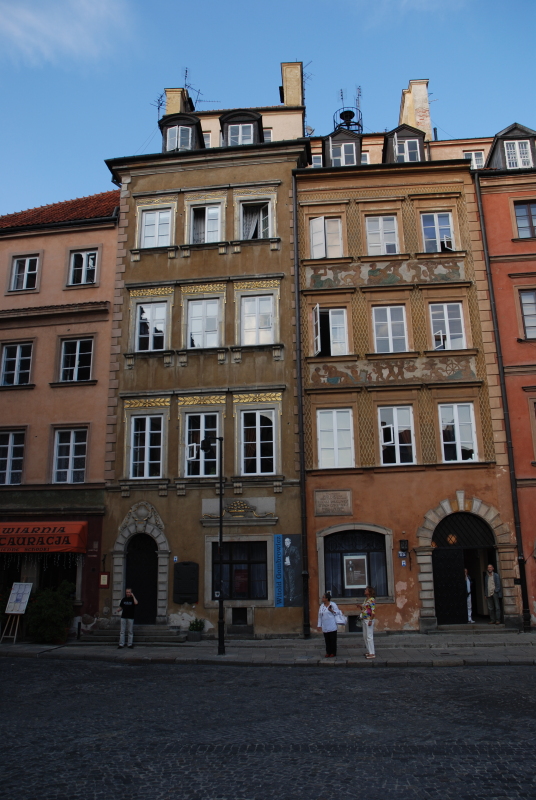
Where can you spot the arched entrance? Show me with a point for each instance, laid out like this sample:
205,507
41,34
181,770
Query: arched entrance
141,575
460,541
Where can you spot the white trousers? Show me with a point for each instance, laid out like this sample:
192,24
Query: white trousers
368,636
469,608
127,626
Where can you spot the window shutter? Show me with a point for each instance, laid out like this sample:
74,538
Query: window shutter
172,138
333,238
316,330
318,241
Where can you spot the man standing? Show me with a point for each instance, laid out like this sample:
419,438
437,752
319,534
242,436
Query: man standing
468,586
291,565
128,607
493,590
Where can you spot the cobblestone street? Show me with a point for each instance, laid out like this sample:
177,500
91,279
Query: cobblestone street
115,731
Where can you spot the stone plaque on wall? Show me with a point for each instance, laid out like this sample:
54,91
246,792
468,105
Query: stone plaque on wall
336,503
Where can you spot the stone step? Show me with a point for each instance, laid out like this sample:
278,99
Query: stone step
479,628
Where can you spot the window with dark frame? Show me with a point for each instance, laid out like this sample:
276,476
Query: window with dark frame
528,310
76,358
337,546
24,276
526,220
16,364
11,457
83,267
244,570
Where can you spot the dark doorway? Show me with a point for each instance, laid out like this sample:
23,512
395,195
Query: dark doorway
461,540
142,576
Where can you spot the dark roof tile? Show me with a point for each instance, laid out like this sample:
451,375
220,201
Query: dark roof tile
94,206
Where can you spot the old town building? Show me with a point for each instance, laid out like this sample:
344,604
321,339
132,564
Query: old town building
55,324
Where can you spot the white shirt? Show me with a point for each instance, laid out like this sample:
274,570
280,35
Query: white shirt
326,617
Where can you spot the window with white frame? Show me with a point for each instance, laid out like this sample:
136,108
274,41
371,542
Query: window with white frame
16,364
335,438
397,441
365,158
326,237
518,154
146,446
476,157
267,134
382,235
255,220
156,228
83,268
526,220
316,161
179,137
407,150
342,155
528,311
458,432
240,134
24,276
207,139
437,232
203,322
205,224
447,326
257,319
11,457
330,331
76,357
70,453
390,329
198,428
150,326
258,442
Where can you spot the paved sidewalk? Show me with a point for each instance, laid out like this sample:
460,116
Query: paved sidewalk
394,650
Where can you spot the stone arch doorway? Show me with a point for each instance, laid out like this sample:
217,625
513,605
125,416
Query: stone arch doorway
141,575
460,541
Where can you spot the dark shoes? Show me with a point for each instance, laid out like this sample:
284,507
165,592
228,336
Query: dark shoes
130,646
119,646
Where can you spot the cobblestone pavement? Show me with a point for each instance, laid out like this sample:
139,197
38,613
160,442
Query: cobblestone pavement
92,730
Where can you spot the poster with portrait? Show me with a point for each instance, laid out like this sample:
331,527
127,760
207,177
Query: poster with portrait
355,571
287,570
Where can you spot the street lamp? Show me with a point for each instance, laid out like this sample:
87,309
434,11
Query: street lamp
206,447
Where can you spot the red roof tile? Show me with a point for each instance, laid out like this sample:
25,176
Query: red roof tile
96,205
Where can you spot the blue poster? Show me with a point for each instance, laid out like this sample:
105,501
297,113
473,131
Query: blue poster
279,591
287,570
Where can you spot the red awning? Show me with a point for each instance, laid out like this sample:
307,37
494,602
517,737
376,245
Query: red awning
43,537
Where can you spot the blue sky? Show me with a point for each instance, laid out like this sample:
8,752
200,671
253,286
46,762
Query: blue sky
78,77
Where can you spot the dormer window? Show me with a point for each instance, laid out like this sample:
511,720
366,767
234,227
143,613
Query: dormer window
181,133
240,134
403,145
407,150
179,138
240,127
518,154
342,155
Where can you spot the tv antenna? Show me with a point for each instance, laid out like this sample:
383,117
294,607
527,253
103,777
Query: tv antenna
198,93
159,102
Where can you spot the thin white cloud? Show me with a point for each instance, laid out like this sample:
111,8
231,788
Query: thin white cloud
38,31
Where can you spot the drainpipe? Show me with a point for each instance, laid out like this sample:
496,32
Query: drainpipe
301,437
507,427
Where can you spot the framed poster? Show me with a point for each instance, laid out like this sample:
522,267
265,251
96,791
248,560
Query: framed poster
355,571
18,599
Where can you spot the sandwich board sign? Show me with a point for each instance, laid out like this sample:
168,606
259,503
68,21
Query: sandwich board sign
18,599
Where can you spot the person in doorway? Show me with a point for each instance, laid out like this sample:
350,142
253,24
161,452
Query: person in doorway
368,615
326,623
468,587
127,609
493,591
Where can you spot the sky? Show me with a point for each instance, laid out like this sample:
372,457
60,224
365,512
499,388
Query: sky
79,78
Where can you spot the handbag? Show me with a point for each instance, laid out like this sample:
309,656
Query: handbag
340,619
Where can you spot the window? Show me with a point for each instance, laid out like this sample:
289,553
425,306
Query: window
245,575
335,438
146,447
11,456
83,268
151,325
350,552
326,237
396,435
255,220
342,155
179,138
203,322
24,274
206,139
458,432
267,134
205,224
156,228
517,155
447,326
330,331
437,233
317,161
257,319
258,443
528,310
526,220
407,150
198,462
365,158
476,157
70,456
382,236
16,363
240,134
390,329
76,355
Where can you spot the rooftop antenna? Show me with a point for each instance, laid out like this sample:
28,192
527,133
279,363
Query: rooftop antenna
195,91
159,102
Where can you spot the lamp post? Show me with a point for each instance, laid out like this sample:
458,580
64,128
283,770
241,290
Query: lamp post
206,447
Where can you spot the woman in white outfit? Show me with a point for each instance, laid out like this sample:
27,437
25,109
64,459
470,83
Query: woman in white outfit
368,614
326,623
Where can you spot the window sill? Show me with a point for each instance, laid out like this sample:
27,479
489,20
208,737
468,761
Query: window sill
392,356
310,262
171,250
145,484
167,356
385,257
470,351
526,341
22,291
69,287
221,352
526,239
276,348
57,384
324,359
464,465
17,386
442,254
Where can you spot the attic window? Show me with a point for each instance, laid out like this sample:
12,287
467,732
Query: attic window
342,155
240,134
517,155
407,150
179,138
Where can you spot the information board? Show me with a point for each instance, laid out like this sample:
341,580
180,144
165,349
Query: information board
18,599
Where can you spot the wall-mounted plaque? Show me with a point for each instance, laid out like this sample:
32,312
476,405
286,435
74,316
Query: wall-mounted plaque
333,503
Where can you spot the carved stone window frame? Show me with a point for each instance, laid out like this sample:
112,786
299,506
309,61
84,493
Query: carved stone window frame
159,294
200,199
156,204
205,291
242,197
198,404
258,401
255,288
144,407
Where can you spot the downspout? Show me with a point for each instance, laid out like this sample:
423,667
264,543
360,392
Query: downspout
507,427
301,437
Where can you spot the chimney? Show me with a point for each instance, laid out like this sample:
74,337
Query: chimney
292,77
415,108
177,101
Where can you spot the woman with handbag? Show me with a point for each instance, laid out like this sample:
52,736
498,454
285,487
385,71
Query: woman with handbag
368,614
327,623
